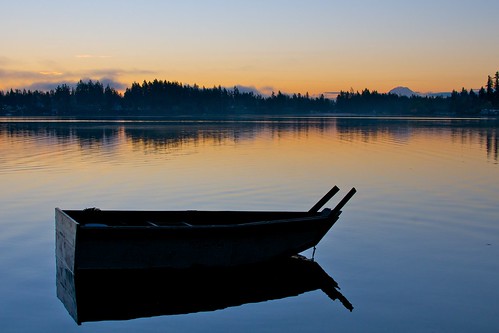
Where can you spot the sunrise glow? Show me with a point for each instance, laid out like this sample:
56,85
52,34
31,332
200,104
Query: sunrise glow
317,47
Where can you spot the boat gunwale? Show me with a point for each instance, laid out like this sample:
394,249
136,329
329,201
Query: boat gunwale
325,214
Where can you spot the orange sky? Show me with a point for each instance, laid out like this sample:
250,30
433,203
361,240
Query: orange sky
292,46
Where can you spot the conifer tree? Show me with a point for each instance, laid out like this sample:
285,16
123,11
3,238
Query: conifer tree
490,88
496,88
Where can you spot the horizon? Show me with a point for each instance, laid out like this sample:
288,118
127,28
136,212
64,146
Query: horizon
332,95
399,90
320,47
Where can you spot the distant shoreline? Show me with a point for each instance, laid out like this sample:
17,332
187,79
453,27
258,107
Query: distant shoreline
168,99
242,117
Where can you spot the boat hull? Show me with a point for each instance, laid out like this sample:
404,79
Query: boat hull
100,243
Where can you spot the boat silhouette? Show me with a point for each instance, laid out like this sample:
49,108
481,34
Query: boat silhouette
103,239
123,294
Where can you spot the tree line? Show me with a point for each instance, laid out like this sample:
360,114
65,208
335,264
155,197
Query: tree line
167,98
465,102
158,98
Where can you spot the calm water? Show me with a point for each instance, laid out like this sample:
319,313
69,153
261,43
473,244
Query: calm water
415,250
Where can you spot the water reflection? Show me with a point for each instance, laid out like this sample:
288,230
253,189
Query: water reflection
98,295
160,132
486,131
163,135
417,261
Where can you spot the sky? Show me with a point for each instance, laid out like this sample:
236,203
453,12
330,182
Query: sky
290,46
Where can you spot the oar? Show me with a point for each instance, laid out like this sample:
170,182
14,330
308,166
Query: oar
343,201
324,199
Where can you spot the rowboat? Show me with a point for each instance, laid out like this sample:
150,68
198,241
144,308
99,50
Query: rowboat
114,294
110,239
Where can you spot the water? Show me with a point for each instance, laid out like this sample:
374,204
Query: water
415,250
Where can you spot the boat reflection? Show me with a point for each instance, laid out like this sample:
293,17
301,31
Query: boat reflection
98,295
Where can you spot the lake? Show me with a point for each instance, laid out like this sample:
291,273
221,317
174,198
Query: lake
415,250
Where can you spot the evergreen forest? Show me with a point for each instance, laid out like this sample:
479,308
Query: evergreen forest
167,98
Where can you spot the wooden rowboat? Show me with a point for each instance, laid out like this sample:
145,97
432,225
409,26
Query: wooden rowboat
101,239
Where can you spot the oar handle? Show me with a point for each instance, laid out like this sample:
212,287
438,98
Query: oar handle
324,199
343,201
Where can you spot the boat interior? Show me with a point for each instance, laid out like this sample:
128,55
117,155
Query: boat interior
102,218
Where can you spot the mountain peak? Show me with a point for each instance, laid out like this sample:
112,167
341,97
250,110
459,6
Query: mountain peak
403,91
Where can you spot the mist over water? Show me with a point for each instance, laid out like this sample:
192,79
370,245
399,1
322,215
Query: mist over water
414,250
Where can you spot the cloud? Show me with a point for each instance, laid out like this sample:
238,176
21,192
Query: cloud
91,56
48,73
113,83
331,94
266,90
49,79
113,72
52,85
19,75
4,61
47,86
248,89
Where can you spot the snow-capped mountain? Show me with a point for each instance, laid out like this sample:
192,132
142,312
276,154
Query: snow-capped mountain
403,91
